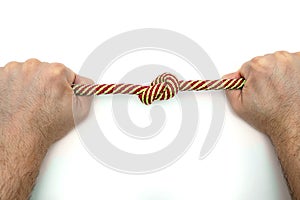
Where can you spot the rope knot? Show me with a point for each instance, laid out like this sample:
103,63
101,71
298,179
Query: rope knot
164,87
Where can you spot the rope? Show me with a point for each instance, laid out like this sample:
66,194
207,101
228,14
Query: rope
164,87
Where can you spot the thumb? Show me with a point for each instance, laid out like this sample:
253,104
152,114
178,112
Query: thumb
81,104
234,96
82,80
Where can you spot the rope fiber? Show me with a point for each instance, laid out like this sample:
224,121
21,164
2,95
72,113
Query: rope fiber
163,87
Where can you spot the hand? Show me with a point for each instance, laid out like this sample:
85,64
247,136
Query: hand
36,100
270,99
270,102
35,111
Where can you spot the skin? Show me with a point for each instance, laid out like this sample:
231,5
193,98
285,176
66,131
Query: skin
270,102
35,111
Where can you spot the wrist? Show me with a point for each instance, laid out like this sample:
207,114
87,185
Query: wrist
282,124
286,131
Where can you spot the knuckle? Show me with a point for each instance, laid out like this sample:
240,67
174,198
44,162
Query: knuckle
281,53
56,70
283,56
11,65
261,66
57,65
257,72
259,60
32,61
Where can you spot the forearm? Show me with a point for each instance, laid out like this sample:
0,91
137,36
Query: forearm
19,166
287,145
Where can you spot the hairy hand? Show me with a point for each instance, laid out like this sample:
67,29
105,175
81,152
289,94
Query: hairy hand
36,100
270,99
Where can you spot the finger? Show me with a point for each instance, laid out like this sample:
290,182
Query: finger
232,75
234,96
81,104
82,80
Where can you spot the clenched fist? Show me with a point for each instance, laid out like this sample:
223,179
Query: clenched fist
37,97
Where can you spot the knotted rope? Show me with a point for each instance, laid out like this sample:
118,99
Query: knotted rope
164,87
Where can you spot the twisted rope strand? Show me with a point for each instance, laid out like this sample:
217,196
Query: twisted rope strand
163,87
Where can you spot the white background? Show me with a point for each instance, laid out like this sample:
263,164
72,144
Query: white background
242,166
